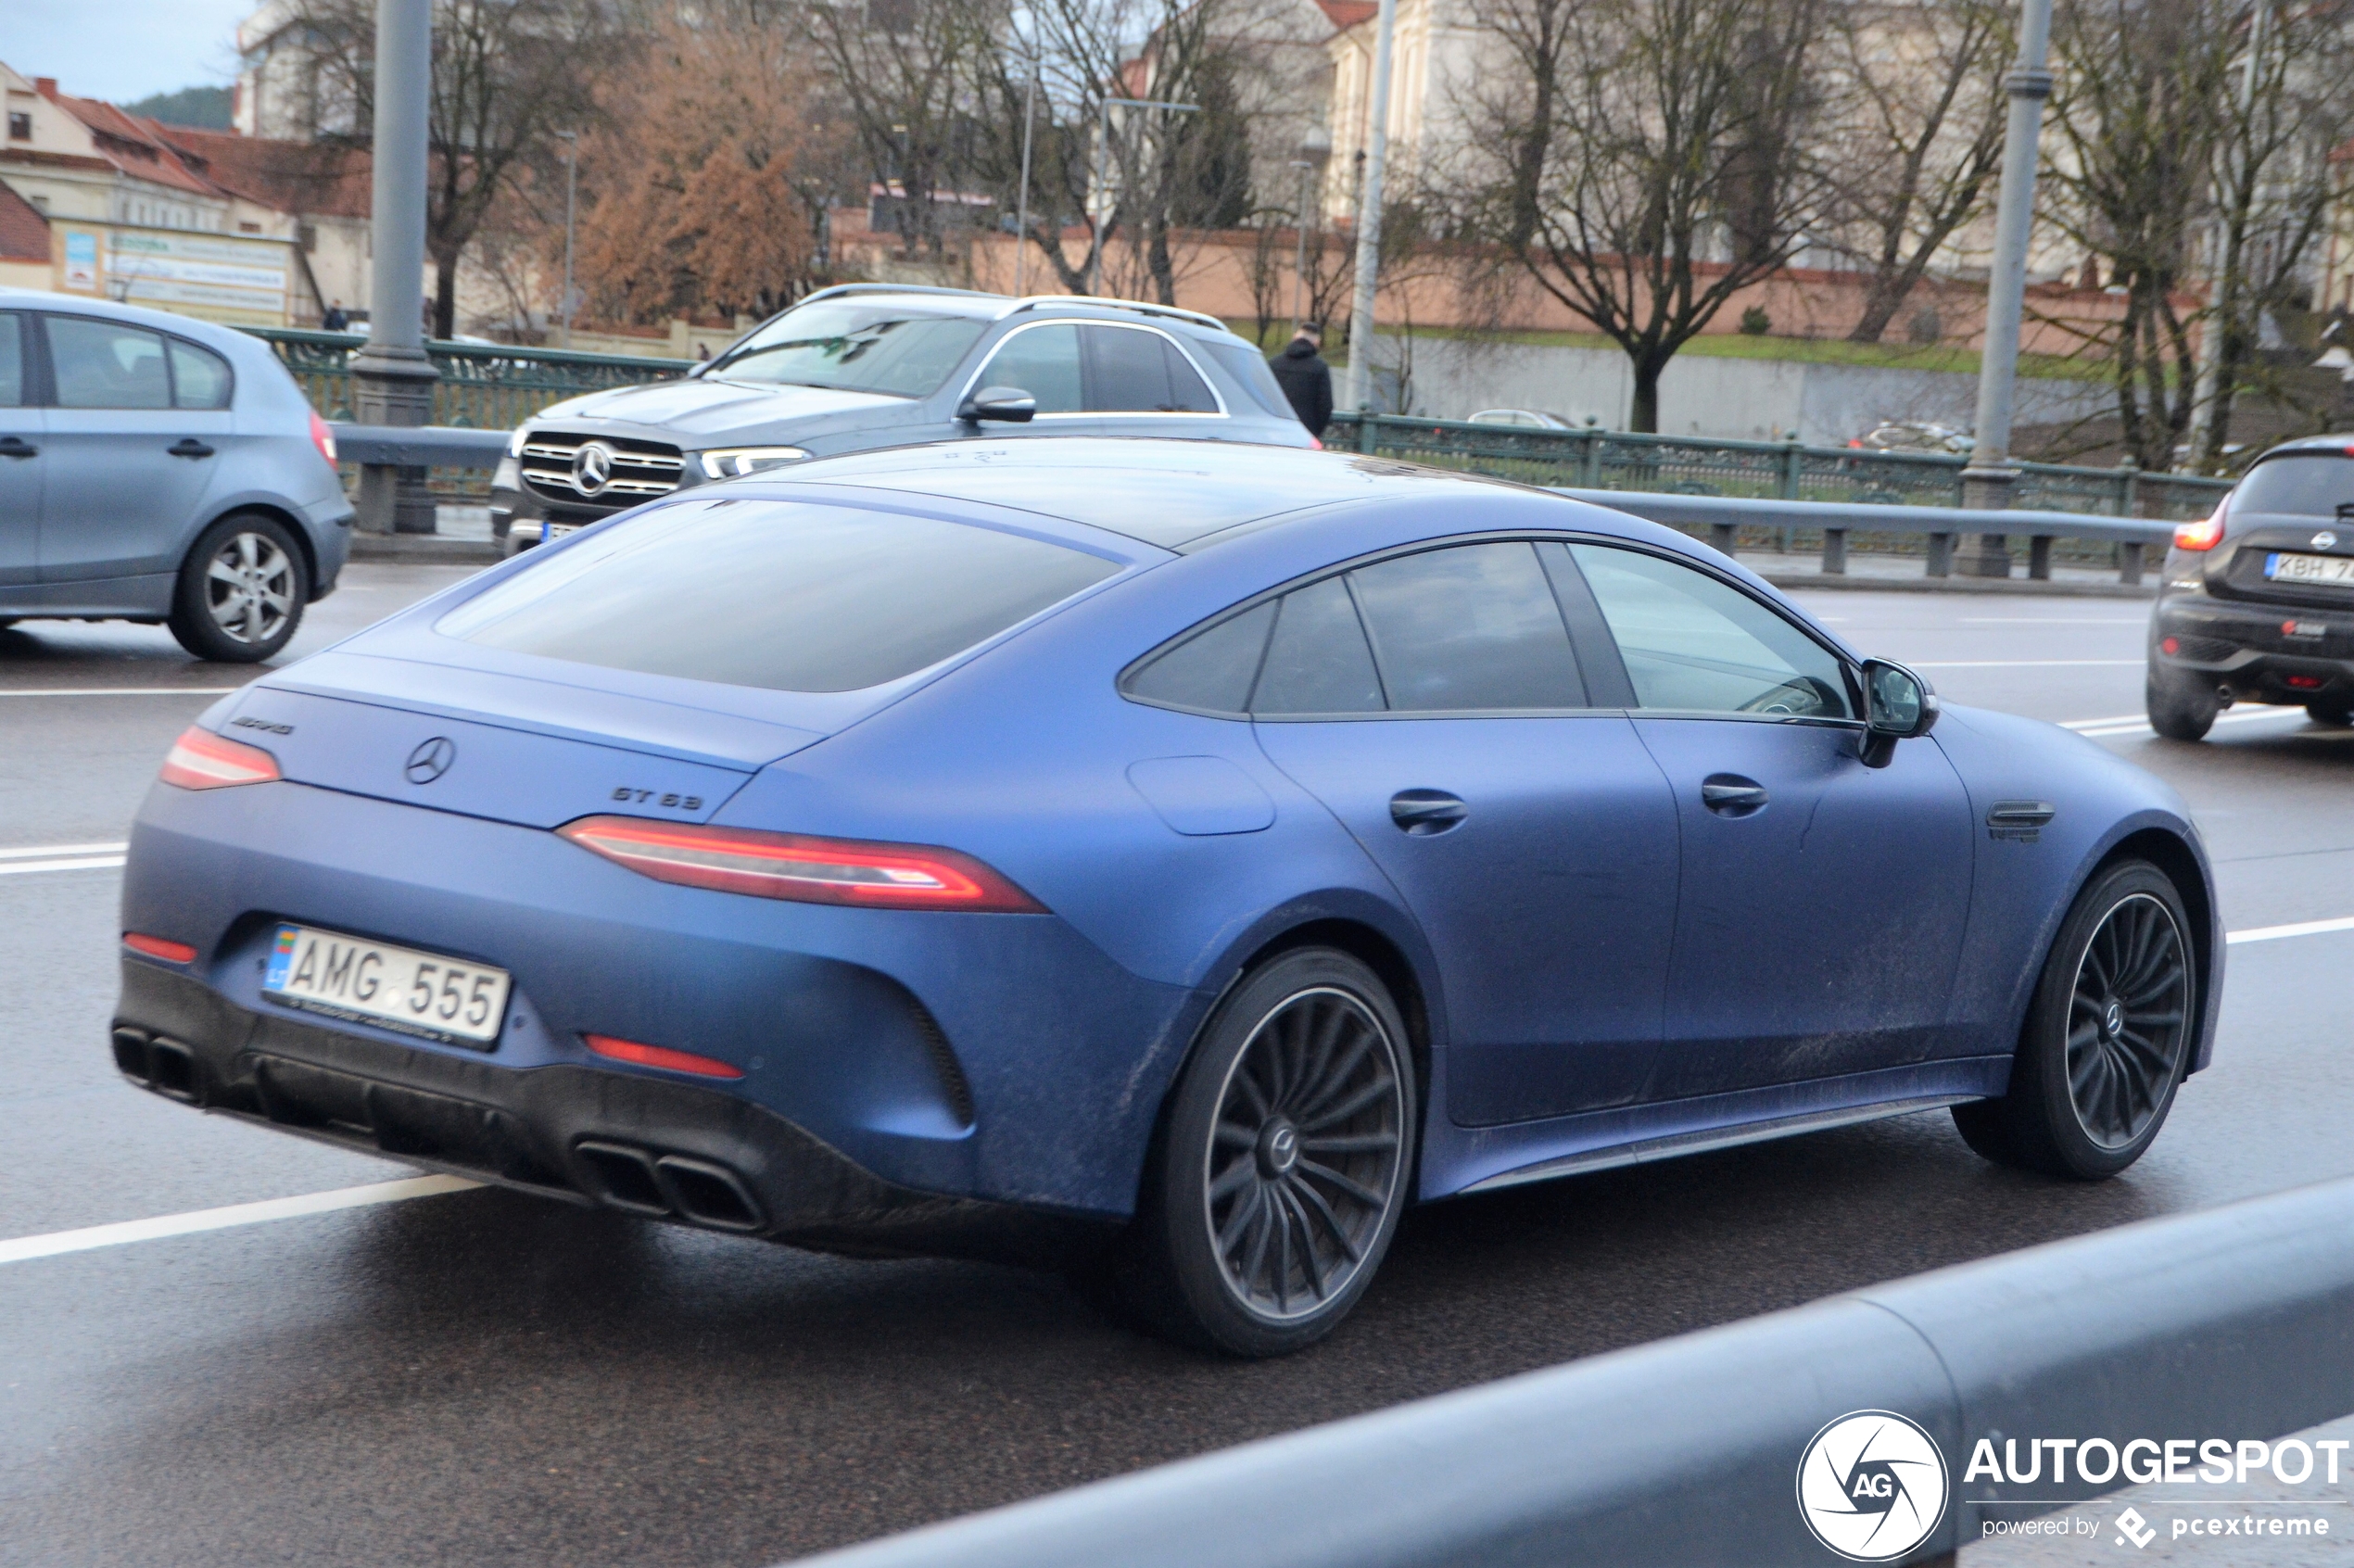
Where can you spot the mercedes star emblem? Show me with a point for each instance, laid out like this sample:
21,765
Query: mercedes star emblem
2326,540
591,467
431,759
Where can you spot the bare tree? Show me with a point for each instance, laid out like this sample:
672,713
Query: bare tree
507,75
1912,135
1647,158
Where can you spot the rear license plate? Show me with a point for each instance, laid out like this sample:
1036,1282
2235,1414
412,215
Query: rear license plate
549,533
2284,568
396,987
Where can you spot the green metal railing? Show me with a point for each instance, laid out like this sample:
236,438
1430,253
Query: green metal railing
483,385
1616,460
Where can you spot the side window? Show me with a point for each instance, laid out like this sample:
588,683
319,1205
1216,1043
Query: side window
1043,362
1211,670
1693,644
107,365
1187,392
12,388
1126,373
199,377
1316,661
1474,626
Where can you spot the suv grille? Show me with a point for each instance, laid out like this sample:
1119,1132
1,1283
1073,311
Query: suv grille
610,470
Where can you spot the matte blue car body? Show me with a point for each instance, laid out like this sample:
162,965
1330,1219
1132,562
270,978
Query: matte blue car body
1168,846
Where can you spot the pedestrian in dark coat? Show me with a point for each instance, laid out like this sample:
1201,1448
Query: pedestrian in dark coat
1307,379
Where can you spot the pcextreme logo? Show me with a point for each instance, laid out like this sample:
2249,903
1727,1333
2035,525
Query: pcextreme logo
1871,1486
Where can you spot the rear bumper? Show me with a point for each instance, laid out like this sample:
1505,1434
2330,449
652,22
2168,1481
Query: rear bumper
663,1150
2260,652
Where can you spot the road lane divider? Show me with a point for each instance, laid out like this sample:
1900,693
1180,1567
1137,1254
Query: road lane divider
119,691
61,857
24,1248
2301,928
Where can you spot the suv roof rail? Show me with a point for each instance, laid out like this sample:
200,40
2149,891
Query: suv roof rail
838,289
1032,302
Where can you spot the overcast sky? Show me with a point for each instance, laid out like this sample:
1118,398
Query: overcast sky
123,50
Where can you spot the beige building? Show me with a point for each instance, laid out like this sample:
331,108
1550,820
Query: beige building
214,225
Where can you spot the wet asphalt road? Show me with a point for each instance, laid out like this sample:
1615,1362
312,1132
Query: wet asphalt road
480,1377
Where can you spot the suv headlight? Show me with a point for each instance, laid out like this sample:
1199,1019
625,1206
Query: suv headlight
729,462
515,443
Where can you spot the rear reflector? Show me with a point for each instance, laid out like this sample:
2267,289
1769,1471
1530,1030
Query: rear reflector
2205,533
659,1056
159,947
803,869
201,760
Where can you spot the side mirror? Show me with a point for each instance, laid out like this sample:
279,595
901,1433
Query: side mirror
1008,405
1898,705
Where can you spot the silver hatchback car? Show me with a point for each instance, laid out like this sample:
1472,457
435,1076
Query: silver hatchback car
155,468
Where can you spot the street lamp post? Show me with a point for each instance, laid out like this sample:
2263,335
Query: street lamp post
1358,394
1029,122
1102,177
1987,482
1315,148
571,187
392,376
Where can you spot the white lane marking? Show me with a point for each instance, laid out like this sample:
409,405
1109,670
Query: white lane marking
2096,729
83,863
2044,621
125,691
45,852
2303,928
56,1242
2028,664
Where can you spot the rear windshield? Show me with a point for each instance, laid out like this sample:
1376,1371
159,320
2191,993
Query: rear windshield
879,346
786,595
2312,485
1244,364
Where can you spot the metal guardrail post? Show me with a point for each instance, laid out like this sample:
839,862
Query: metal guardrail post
1792,450
1590,460
1726,537
1366,435
2129,564
1941,555
2039,557
1834,552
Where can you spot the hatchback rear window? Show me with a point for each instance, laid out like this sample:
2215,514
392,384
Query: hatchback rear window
2314,484
786,595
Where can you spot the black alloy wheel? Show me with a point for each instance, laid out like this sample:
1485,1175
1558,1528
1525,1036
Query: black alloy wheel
2128,1015
1285,1163
2107,1038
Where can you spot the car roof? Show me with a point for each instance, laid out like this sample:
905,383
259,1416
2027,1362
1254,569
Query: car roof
193,327
978,305
2341,446
1172,493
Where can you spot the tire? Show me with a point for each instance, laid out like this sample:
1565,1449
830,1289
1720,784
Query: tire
2337,712
2179,708
242,590
2109,1035
1283,1162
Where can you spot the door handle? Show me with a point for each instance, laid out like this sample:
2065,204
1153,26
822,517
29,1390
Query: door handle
16,446
1728,794
189,447
1425,812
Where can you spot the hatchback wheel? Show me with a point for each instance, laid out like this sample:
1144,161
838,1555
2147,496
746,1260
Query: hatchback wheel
1279,1179
2108,1036
2181,708
241,591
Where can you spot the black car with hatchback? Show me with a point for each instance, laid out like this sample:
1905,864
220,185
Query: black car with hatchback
2257,601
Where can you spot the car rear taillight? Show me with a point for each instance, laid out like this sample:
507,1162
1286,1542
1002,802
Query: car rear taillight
322,436
201,760
805,869
2205,533
1316,442
170,951
659,1056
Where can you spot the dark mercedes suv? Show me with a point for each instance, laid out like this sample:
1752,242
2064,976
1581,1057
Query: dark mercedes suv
2257,603
868,365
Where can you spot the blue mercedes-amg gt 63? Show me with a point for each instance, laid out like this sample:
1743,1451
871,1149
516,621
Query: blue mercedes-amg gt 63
1158,860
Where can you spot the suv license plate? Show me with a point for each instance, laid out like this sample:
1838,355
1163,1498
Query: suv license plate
396,987
2309,568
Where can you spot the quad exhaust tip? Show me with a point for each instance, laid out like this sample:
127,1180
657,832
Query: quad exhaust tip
668,1186
165,1065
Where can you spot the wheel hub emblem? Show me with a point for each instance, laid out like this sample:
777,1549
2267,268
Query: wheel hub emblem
1279,1147
592,468
430,760
2326,540
2113,1017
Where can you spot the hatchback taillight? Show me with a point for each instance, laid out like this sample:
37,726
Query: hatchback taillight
2205,533
201,760
801,869
322,436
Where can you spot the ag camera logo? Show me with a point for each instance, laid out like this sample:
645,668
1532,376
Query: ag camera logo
1871,1486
